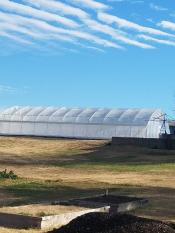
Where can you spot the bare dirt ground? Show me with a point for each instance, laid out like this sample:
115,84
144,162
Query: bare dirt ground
54,169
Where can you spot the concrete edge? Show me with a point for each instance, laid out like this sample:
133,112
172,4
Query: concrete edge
54,221
63,219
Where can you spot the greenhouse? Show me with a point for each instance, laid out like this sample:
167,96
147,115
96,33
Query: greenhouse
87,123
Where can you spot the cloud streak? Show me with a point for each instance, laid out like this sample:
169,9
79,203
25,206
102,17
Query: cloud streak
167,25
160,41
95,5
123,23
90,23
96,26
157,7
7,89
15,38
78,24
41,29
29,11
55,6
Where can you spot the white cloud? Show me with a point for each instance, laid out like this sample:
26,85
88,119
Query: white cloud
29,11
167,25
77,22
123,23
91,4
56,6
128,1
11,26
15,38
51,31
12,22
94,25
160,41
157,7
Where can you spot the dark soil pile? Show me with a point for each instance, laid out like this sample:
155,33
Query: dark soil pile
114,223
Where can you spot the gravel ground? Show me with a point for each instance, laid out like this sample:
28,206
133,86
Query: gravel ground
114,223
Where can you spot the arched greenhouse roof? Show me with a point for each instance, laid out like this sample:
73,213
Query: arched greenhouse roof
107,116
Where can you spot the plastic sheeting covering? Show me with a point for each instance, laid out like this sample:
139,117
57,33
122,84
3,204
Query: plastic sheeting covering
94,123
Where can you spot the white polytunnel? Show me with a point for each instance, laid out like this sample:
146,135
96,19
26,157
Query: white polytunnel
88,123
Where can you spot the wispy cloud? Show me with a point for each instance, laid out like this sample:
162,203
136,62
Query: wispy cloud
60,7
13,37
90,23
49,31
128,1
123,23
79,23
167,25
29,11
96,26
7,89
15,23
160,41
91,4
12,90
157,7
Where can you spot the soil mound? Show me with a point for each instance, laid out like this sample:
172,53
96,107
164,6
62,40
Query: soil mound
114,223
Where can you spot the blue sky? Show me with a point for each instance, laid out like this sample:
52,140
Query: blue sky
87,53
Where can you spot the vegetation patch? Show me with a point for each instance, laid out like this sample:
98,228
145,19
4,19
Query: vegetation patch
8,175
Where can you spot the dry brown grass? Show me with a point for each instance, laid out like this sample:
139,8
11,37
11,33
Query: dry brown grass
36,146
40,210
59,169
9,230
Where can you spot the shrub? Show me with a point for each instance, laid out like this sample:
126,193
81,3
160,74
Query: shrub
8,175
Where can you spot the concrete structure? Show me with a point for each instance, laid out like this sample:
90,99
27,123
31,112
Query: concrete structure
164,143
54,221
47,222
92,123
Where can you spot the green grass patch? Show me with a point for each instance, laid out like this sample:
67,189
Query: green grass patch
27,191
120,167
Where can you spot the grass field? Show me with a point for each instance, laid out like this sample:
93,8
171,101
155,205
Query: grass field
51,169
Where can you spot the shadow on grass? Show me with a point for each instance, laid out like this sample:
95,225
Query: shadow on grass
122,155
161,199
33,191
107,156
119,158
